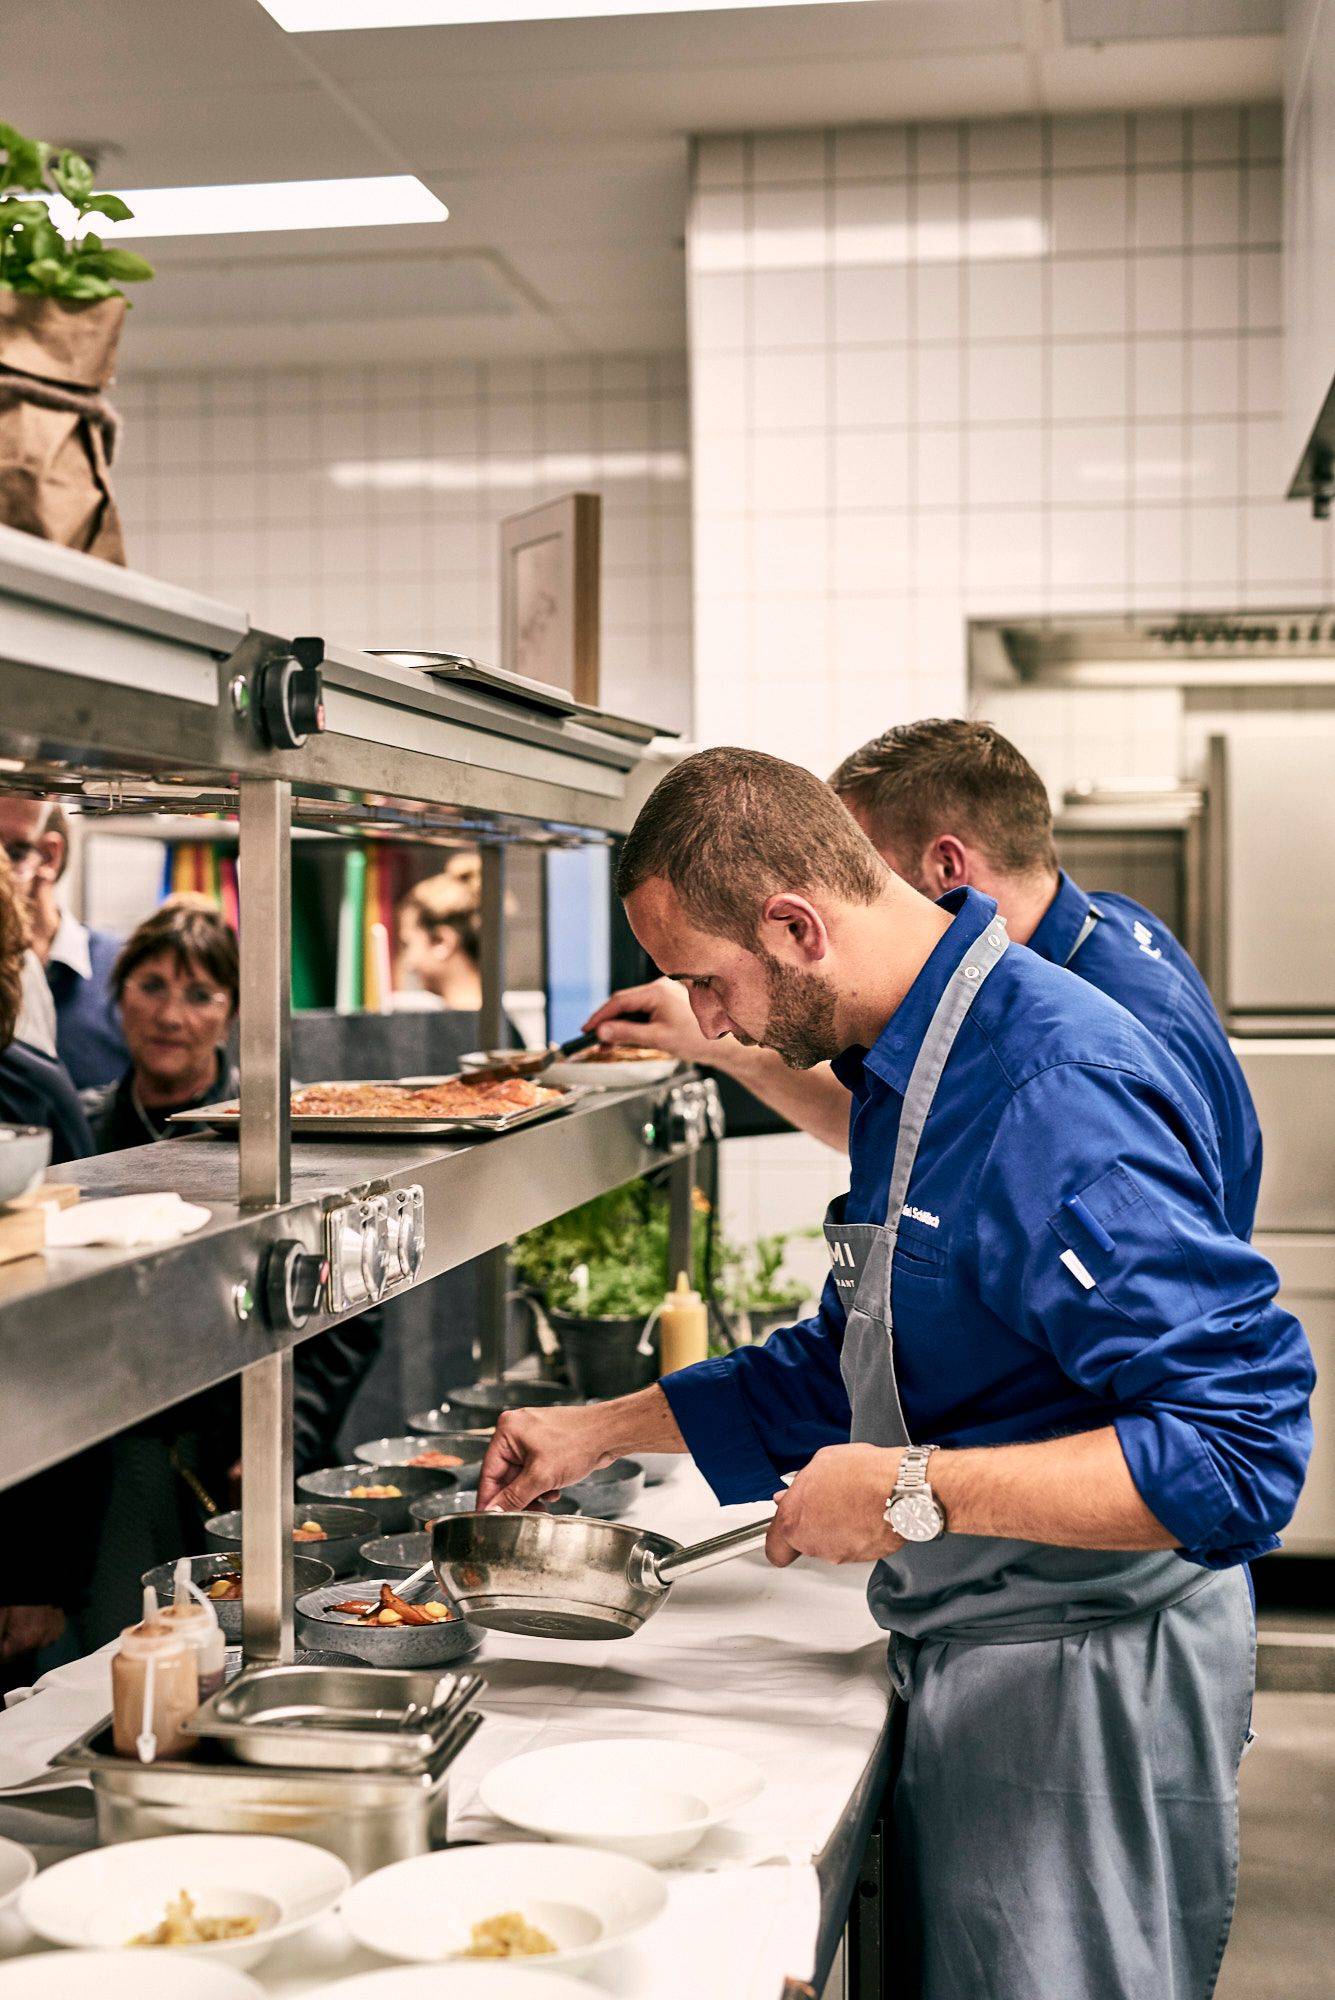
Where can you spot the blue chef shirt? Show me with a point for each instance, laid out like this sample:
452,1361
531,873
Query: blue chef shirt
1052,1094
1134,958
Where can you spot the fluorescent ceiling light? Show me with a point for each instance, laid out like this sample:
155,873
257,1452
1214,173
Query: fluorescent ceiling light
239,208
468,475
312,17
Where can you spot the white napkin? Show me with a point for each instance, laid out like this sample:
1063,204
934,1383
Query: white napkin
124,1222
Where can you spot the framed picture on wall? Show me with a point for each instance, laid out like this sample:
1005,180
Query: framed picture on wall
550,579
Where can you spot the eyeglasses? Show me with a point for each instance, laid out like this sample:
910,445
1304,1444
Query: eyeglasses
200,999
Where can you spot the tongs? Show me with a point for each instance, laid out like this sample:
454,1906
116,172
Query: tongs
531,1062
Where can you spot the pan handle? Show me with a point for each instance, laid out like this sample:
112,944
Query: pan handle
664,1570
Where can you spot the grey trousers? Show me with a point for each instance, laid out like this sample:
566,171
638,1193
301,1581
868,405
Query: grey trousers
1065,1812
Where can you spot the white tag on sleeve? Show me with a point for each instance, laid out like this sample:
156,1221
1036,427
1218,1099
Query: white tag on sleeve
1077,1269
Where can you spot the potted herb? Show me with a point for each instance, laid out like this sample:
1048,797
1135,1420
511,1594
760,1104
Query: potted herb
758,1292
598,1275
61,311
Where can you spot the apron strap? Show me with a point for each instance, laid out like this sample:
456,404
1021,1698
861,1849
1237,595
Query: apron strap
961,992
1092,917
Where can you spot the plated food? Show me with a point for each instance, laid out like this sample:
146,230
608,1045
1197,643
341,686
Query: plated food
309,1531
391,1609
621,1052
623,1066
509,1935
183,1924
375,1493
219,1576
436,1460
367,1618
336,1531
454,1097
380,1490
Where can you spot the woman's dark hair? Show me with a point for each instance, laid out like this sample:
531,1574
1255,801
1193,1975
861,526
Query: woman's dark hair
191,929
13,944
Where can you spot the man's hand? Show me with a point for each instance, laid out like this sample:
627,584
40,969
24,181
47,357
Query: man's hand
25,1627
660,1017
835,1508
535,1453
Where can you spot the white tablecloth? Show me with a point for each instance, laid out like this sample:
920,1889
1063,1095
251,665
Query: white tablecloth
783,1666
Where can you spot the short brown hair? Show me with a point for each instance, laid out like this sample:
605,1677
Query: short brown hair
448,901
946,775
194,932
727,828
13,945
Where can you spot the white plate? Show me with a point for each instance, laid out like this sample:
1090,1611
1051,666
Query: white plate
104,1898
16,1868
648,1798
498,1981
660,1466
425,1909
610,1076
120,1975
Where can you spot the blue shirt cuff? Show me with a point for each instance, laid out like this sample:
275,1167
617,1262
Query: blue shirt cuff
712,1416
1180,1484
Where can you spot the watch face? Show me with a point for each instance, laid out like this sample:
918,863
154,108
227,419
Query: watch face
916,1517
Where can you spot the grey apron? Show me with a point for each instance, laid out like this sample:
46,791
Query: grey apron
1065,1810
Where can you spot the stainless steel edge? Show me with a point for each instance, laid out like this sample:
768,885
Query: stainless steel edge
126,1333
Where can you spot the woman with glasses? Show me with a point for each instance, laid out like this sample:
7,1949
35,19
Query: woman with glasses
177,984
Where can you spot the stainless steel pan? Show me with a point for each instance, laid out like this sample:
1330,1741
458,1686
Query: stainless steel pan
558,1577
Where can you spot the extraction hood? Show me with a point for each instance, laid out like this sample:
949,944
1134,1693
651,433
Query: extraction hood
1190,649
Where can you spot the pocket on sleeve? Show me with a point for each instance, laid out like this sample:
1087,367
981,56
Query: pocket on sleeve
1121,1235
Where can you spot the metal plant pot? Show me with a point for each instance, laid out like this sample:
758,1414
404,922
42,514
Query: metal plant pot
602,1356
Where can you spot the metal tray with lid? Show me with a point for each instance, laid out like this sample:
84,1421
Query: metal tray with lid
336,1718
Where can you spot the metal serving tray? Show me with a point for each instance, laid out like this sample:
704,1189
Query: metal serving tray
226,1117
336,1718
369,1818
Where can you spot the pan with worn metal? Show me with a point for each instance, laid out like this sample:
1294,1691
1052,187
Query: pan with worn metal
566,1577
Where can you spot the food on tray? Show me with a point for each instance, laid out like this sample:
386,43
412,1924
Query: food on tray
377,1492
508,1935
181,1925
437,1461
309,1531
225,1589
394,1610
622,1052
457,1097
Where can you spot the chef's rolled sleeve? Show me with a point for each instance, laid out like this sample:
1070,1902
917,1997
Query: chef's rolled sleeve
1101,1237
753,1415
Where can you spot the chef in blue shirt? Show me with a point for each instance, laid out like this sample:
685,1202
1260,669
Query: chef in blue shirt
951,803
1076,1408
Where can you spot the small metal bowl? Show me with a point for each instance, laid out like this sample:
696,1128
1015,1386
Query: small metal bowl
394,1556
379,1645
441,1417
606,1494
470,1450
483,1402
346,1528
335,1482
204,1570
435,1506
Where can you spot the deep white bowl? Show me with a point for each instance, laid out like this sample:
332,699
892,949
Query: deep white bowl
576,1075
645,1797
17,1868
660,1466
100,1900
424,1909
500,1980
120,1975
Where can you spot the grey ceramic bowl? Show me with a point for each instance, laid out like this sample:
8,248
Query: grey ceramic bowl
468,1449
483,1402
439,1418
606,1494
393,1556
379,1645
435,1506
335,1482
346,1528
204,1570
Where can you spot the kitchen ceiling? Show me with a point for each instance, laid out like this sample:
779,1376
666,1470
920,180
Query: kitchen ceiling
560,147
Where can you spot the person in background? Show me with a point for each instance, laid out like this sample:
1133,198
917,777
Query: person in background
34,1090
951,804
77,959
440,934
177,982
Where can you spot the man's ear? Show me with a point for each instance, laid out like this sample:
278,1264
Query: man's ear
793,930
51,847
946,864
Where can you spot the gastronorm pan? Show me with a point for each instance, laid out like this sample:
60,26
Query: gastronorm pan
336,1718
226,1117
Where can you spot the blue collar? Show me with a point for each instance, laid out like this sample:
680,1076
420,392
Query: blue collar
1060,925
895,1050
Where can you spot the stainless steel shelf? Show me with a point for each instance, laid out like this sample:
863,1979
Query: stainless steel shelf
113,678
93,1340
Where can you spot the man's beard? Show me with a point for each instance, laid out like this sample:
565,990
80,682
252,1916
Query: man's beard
800,1024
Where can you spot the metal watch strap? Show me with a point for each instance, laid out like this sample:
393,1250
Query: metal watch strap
912,1475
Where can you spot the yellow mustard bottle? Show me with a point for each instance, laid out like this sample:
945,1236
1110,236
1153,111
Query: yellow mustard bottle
683,1328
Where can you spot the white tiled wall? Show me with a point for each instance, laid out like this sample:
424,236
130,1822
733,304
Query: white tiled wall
952,370
362,503
970,370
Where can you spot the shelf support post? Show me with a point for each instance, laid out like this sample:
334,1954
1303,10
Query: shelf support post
265,1174
494,1276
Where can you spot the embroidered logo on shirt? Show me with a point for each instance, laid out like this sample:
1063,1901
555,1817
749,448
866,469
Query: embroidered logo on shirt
922,1215
1144,937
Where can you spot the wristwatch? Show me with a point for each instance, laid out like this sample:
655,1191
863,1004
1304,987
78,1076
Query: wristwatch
913,1510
